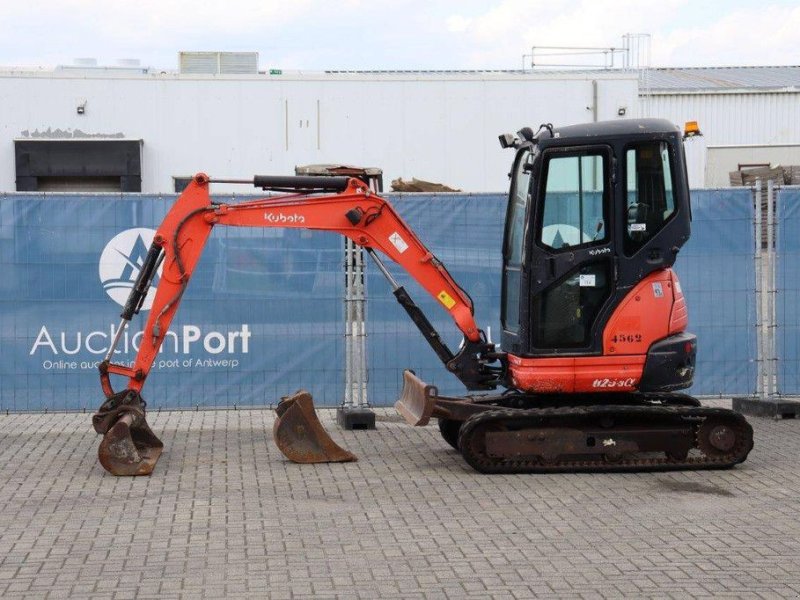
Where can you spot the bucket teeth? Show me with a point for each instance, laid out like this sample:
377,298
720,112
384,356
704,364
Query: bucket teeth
301,437
129,446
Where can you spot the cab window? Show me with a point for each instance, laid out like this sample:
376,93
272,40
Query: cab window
515,240
573,211
649,193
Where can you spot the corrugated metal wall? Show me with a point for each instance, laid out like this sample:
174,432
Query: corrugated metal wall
439,127
730,118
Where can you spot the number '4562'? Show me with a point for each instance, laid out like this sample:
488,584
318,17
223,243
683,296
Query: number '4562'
630,338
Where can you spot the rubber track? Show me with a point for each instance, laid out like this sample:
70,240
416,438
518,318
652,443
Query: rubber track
587,416
520,400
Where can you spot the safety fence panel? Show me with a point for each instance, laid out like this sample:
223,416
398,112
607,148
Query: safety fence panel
263,315
717,274
261,318
788,286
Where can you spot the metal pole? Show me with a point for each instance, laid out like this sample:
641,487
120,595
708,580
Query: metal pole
348,363
757,257
362,330
354,327
770,331
779,230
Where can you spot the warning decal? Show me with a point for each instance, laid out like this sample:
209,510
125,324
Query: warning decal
398,242
446,299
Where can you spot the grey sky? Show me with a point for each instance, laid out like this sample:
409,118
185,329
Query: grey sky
401,34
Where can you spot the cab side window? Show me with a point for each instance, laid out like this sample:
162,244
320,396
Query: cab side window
515,241
649,195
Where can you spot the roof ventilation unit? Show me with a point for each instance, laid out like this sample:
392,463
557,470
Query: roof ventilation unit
218,63
85,62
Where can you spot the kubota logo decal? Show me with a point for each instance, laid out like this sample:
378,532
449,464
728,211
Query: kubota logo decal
280,218
120,262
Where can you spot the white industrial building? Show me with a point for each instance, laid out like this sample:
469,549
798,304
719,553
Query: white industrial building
750,116
130,128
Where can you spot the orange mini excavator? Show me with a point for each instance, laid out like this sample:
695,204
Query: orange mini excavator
594,344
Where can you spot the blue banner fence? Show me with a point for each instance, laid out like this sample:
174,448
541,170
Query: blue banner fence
787,288
263,315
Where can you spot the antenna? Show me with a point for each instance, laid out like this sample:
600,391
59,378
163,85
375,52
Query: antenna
637,56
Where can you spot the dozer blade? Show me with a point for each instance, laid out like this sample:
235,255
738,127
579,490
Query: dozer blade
301,437
416,402
129,447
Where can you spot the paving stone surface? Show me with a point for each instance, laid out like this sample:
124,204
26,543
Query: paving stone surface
225,515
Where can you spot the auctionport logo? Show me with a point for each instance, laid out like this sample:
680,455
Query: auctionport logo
184,347
120,262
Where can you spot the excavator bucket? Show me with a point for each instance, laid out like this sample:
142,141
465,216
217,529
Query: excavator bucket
417,400
129,446
301,437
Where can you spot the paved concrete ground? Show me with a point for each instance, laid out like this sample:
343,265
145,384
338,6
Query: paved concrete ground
224,515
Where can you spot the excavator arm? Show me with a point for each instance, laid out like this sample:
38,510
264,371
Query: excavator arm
338,204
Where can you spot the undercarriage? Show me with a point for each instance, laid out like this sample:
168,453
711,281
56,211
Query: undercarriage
528,433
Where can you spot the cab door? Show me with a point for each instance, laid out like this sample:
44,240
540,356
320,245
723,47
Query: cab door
514,309
572,250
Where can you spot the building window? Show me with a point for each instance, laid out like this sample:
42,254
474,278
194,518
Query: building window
181,183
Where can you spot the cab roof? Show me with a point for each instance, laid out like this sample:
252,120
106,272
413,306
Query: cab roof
617,128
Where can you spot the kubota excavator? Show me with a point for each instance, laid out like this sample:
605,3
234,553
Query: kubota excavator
594,344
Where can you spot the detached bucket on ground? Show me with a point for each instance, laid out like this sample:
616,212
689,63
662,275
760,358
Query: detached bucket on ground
301,437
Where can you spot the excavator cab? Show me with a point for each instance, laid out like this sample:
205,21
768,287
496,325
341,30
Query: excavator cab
593,211
594,345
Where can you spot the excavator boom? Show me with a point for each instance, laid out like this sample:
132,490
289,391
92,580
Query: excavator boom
338,204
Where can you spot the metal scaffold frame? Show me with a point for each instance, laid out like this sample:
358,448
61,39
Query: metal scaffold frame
355,395
767,401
